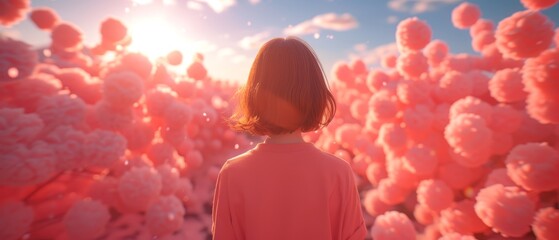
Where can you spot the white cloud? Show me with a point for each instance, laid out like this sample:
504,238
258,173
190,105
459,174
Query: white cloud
204,46
194,5
217,5
239,58
330,21
392,19
169,2
225,52
418,6
375,55
10,33
254,41
254,2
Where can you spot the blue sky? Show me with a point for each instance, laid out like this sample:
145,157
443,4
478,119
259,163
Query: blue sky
229,32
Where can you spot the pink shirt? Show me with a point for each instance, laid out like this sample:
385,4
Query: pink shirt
287,192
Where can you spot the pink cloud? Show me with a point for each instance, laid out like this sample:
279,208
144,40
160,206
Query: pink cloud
417,6
330,21
254,41
217,5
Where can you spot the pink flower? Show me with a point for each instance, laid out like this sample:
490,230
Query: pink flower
412,34
139,188
165,215
506,86
470,139
472,105
86,219
411,64
436,51
434,194
393,225
465,15
44,18
534,166
461,218
15,219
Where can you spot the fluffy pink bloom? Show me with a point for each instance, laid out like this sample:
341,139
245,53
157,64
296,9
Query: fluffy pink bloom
139,188
423,214
493,207
376,80
531,130
375,172
373,205
506,86
480,82
440,116
66,37
418,122
390,193
461,218
524,34
138,135
169,179
436,52
86,219
178,114
414,92
17,59
481,25
420,160
160,153
401,175
105,116
68,145
383,106
135,62
499,176
44,18
538,4
457,176
165,215
13,11
194,159
460,62
197,71
61,109
343,72
122,89
113,31
389,61
435,194
534,166
158,100
359,109
412,34
22,165
412,64
540,74
103,148
505,119
15,219
482,40
465,15
346,134
546,224
453,86
457,236
392,137
472,105
470,138
543,109
184,190
18,127
393,225
358,67
174,58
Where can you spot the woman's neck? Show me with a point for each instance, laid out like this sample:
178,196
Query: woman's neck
294,137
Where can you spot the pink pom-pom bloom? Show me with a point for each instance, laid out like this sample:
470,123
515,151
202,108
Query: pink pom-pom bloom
86,219
481,25
15,219
412,34
346,134
18,127
17,59
465,15
178,114
174,58
165,215
420,160
122,89
493,207
390,193
546,224
373,205
61,110
343,72
13,11
376,80
543,109
66,37
461,218
534,166
197,71
169,179
434,194
453,86
113,31
538,4
44,18
524,34
506,86
418,122
470,139
436,52
412,64
139,187
383,106
104,148
68,144
22,165
505,119
393,225
472,105
482,40
389,61
392,137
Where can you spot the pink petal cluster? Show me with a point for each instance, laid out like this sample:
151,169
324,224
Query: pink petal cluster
86,219
534,166
412,34
393,225
465,15
165,215
139,188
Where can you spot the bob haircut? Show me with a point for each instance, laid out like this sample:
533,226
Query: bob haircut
286,91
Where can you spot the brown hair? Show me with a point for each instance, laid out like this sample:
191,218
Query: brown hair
286,91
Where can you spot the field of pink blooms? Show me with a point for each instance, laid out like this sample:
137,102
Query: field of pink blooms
444,146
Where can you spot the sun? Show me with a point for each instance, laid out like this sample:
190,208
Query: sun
156,37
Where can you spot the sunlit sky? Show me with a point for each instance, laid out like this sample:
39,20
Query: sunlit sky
229,32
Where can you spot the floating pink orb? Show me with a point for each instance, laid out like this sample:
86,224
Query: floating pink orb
359,109
161,153
480,82
540,74
375,172
392,137
343,72
543,109
376,80
465,15
435,194
139,188
505,119
66,37
194,159
61,109
138,135
358,67
24,165
546,224
390,193
169,179
402,176
493,207
389,61
534,166
103,115
86,219
16,126
482,40
178,114
17,59
68,144
423,214
44,18
481,25
15,219
174,58
197,71
418,122
538,4
502,143
472,105
436,51
412,34
469,137
138,63
453,86
412,64
103,148
524,34
158,100
506,86
122,89
420,160
165,216
461,218
383,106
393,225
373,205
113,31
13,11
499,176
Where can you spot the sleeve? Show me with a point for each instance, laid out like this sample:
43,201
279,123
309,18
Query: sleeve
353,222
222,227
